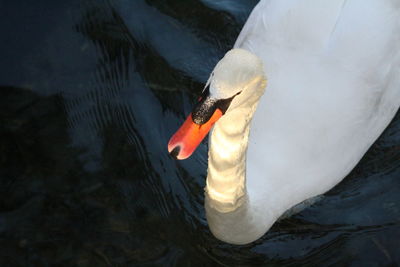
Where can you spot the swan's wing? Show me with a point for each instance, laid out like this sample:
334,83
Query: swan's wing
333,70
318,26
308,24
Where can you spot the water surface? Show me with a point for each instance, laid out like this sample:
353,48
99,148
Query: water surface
90,93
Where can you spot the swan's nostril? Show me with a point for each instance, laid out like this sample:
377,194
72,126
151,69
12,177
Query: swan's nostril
175,152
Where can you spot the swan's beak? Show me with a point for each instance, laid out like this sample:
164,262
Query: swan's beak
197,125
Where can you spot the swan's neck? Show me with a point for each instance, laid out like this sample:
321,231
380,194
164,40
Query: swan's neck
226,178
232,210
232,213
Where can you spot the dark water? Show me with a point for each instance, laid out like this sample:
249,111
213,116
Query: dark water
90,93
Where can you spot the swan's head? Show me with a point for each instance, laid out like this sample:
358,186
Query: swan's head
238,79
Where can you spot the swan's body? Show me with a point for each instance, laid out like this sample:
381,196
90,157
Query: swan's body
333,70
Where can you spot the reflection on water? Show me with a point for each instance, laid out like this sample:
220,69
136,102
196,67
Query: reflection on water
88,103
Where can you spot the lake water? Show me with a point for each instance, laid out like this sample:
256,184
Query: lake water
90,93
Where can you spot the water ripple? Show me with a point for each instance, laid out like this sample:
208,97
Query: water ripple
87,164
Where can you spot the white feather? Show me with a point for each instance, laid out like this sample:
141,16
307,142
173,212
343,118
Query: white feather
333,70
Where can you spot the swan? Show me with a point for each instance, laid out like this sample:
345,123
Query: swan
291,109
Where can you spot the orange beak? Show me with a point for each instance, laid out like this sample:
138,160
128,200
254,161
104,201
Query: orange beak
185,141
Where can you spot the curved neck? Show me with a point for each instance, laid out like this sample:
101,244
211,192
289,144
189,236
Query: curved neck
226,176
232,214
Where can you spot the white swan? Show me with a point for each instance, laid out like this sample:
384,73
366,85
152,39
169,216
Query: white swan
333,70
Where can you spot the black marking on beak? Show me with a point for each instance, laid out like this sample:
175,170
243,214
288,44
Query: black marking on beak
204,110
175,152
206,107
